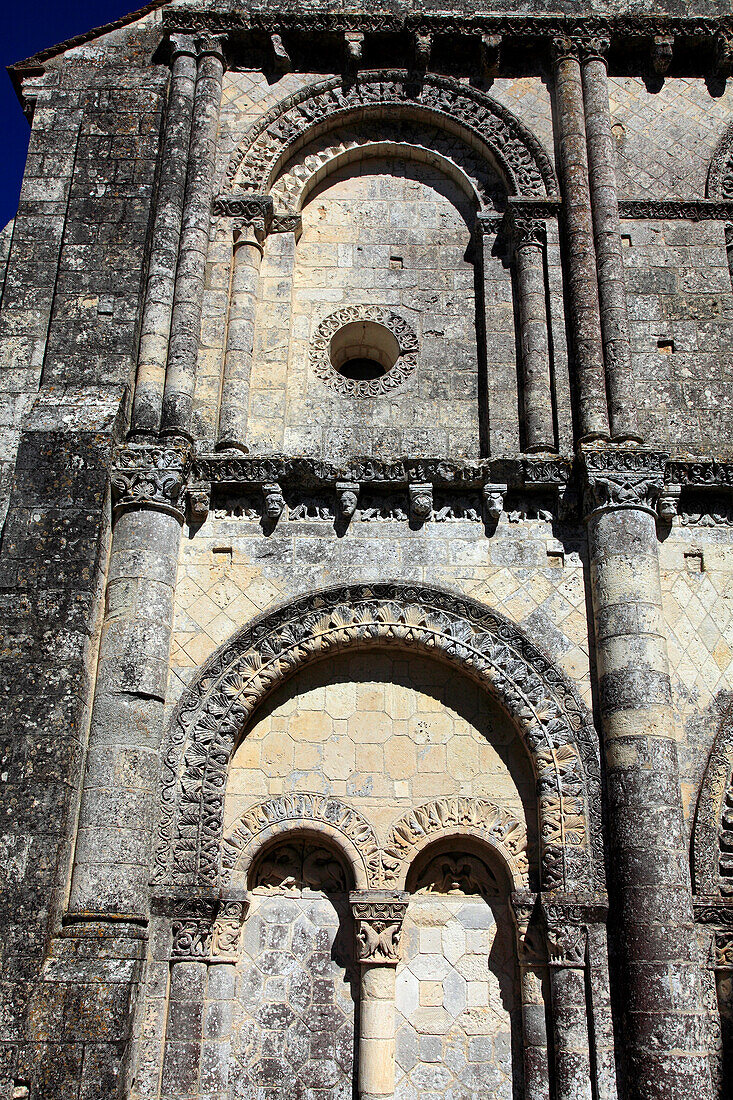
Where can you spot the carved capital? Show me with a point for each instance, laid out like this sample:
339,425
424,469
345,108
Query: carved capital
526,232
182,44
724,52
622,479
566,920
531,941
595,49
421,501
347,498
207,929
211,45
378,919
564,48
150,477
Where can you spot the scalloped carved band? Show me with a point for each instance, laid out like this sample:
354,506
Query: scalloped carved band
403,333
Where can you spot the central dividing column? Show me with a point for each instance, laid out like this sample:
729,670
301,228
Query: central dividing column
186,319
378,919
607,231
584,307
659,986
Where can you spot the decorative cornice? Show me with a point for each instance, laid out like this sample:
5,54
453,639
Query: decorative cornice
694,210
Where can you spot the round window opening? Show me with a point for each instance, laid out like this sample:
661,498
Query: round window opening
363,351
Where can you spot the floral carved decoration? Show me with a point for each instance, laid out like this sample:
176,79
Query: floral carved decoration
403,333
547,713
437,100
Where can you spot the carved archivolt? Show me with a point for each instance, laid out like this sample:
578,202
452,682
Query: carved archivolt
720,173
712,839
436,100
403,333
466,817
428,144
544,707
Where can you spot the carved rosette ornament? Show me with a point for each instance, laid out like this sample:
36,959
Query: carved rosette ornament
622,479
378,919
150,477
207,929
320,355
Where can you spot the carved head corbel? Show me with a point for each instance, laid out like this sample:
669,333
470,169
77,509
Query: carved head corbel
421,501
273,502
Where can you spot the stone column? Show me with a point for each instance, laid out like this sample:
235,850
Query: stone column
156,319
566,956
529,240
112,862
206,935
185,329
582,281
607,233
723,962
240,335
497,391
378,918
533,982
651,904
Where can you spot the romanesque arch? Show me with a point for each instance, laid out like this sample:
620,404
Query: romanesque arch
478,121
712,837
720,173
547,713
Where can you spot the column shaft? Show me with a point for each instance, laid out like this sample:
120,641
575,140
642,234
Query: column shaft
183,1045
607,232
240,339
377,1032
570,1028
536,385
534,1034
156,319
651,901
584,306
186,318
112,863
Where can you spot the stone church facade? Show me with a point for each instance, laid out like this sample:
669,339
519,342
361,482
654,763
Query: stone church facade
366,564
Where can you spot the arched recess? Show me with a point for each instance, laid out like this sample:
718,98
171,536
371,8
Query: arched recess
479,121
551,720
712,835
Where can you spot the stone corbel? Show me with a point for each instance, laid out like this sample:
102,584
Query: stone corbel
378,919
273,501
662,48
347,499
281,57
494,494
668,504
490,55
422,45
198,499
421,501
353,50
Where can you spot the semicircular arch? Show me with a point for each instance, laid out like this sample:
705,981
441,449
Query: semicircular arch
480,121
549,716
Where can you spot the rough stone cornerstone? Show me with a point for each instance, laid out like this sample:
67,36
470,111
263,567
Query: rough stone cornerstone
366,560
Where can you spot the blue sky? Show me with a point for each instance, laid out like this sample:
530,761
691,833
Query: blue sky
25,31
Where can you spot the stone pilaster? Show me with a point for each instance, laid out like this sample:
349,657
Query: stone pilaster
158,306
187,300
113,850
533,980
584,307
378,919
240,334
529,242
651,905
607,235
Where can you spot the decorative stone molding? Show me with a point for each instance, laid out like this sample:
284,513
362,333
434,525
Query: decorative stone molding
256,210
712,836
618,478
566,922
421,501
404,334
378,919
522,161
694,210
282,816
720,173
548,715
662,49
716,915
478,818
150,477
207,929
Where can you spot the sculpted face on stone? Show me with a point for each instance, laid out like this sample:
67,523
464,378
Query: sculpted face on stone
274,502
